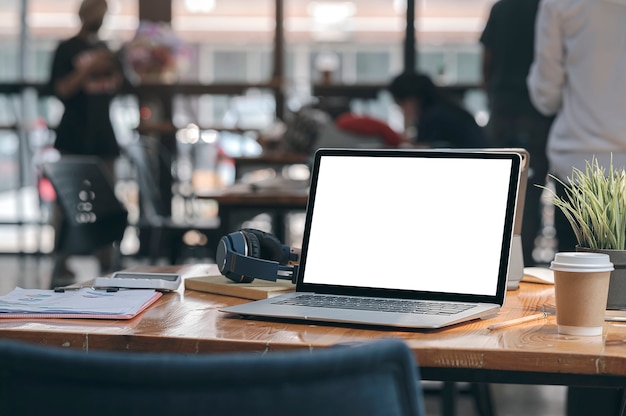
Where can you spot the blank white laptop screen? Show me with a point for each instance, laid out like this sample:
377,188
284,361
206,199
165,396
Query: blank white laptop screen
424,224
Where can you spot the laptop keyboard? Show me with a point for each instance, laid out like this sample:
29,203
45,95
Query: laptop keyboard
377,305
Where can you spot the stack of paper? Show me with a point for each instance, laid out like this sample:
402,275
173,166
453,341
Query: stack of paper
538,275
82,303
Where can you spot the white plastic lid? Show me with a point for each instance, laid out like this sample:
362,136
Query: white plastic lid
581,262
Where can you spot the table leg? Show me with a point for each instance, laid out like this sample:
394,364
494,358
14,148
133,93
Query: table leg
225,221
278,225
448,398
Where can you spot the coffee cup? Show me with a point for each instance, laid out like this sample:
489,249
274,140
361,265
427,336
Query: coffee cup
581,285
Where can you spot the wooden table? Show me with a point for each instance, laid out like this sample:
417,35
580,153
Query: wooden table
274,160
242,198
189,321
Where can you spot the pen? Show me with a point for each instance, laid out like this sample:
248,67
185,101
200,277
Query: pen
521,320
74,288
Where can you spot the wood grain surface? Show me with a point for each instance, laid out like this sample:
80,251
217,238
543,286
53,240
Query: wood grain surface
189,321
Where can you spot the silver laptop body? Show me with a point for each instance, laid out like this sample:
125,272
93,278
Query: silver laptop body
391,232
516,262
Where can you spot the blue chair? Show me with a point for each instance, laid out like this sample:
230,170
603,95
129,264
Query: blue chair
376,378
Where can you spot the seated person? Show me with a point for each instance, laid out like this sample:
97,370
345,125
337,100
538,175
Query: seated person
438,119
310,129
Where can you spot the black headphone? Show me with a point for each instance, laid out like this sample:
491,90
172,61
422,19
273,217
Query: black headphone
247,254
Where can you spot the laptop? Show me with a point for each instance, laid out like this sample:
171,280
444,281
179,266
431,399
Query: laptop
516,262
402,238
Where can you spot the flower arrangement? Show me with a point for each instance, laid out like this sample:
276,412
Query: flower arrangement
154,54
595,206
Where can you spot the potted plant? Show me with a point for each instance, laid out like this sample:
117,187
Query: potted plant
595,206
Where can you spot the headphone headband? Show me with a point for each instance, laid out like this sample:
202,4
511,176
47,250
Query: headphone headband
239,259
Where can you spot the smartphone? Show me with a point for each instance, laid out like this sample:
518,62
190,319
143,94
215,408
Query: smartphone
140,280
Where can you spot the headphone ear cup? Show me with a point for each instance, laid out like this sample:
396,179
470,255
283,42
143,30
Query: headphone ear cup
253,243
270,247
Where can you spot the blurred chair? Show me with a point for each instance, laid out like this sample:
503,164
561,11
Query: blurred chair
92,216
164,231
377,378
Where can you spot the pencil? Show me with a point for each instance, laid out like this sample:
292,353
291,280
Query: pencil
521,320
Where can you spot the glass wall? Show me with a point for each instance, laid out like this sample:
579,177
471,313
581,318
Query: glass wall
231,42
361,42
9,108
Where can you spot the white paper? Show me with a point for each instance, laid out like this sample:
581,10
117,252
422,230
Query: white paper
83,301
538,275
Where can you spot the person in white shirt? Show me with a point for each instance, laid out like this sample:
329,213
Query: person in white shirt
579,74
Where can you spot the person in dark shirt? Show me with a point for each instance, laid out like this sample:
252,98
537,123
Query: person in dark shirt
438,119
85,76
508,46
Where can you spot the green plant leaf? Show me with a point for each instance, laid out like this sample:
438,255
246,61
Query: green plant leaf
595,205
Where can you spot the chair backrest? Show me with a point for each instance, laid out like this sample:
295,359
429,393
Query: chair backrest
377,378
151,203
93,216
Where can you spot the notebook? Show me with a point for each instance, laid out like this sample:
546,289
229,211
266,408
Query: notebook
389,233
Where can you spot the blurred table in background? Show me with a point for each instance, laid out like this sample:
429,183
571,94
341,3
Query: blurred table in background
272,160
244,198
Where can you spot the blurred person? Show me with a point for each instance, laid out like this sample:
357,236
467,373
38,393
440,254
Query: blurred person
438,120
85,75
578,74
508,45
370,126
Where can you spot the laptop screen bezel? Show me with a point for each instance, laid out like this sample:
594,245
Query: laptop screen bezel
509,223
